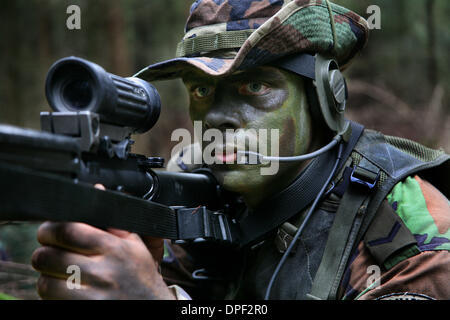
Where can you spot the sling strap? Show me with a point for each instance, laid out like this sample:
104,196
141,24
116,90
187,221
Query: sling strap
28,195
344,230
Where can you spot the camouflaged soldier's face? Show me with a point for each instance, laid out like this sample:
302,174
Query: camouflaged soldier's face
260,98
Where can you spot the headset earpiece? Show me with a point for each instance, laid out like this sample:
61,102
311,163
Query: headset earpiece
331,92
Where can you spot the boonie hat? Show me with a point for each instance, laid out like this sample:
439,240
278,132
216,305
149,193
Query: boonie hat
225,36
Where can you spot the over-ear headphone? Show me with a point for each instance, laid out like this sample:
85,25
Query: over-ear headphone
331,90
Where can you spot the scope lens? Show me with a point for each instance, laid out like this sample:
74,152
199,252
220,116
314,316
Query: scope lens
77,93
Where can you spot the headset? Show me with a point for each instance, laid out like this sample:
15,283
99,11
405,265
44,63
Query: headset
327,92
329,95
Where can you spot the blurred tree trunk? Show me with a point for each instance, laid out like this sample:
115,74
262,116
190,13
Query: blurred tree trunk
45,34
120,57
431,47
9,48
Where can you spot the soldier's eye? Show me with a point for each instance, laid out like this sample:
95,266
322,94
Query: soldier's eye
201,92
253,88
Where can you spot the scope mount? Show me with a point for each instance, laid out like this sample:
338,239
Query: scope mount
91,134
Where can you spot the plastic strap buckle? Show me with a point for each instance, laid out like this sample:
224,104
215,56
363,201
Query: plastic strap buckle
200,225
364,176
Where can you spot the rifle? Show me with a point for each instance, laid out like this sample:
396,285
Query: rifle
49,174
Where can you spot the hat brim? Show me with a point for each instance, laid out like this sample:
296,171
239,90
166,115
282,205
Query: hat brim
174,68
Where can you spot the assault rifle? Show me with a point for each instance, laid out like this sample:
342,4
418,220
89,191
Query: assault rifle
50,174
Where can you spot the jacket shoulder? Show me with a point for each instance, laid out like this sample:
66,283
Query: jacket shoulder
399,158
424,210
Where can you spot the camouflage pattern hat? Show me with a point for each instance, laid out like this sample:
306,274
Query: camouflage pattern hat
224,36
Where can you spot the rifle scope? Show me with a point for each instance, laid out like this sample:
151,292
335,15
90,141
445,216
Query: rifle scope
74,84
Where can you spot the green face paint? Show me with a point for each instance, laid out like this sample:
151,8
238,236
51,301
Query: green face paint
261,98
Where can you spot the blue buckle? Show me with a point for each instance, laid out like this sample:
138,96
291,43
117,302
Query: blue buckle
364,177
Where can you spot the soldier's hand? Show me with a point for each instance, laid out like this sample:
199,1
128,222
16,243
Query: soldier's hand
112,265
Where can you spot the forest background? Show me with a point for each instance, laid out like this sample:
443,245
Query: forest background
400,83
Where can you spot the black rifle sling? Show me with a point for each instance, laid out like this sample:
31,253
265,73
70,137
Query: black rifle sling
28,195
297,196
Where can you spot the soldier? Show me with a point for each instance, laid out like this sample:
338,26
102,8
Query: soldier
356,219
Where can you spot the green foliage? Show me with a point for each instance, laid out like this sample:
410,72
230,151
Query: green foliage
4,296
19,241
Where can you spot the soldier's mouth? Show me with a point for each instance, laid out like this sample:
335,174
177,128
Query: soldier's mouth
226,155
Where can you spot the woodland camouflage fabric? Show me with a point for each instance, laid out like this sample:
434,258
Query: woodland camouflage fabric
234,35
425,212
420,271
417,271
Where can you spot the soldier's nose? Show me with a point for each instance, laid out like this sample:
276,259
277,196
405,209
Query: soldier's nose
221,121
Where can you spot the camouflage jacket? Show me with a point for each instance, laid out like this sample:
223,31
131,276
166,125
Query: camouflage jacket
404,253
420,269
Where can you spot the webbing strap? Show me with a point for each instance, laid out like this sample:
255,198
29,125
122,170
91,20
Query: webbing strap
343,232
31,196
289,202
28,195
324,280
211,42
301,64
356,132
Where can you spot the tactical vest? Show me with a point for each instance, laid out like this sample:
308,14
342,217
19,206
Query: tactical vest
350,213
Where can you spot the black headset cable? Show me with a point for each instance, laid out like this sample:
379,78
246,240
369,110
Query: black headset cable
305,221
